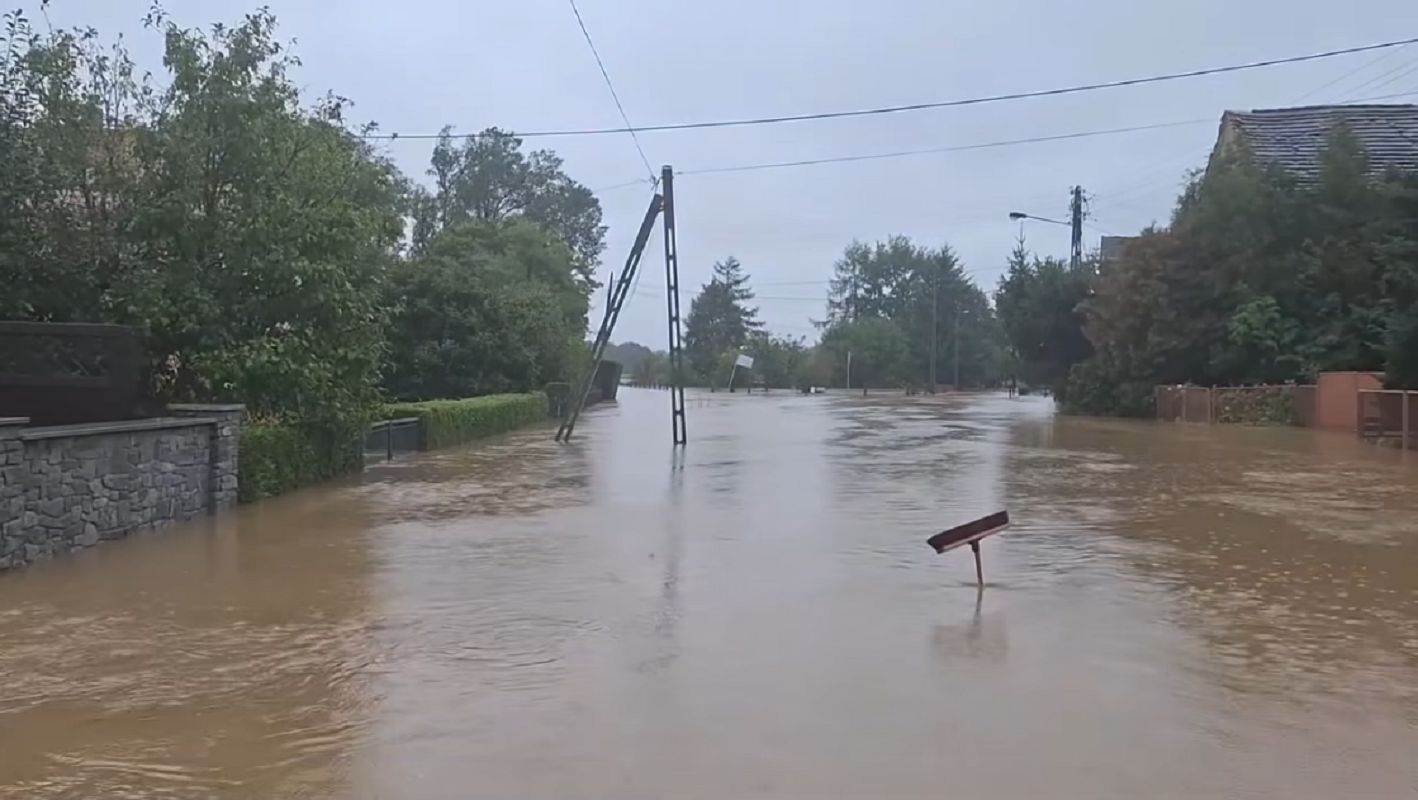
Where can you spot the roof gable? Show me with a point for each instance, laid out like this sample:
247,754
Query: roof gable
1295,138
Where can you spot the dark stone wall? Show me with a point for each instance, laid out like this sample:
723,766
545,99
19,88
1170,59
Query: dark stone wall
69,487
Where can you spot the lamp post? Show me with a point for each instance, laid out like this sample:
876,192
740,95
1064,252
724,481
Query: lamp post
1077,211
1020,215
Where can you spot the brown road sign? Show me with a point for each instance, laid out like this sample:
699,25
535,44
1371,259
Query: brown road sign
970,532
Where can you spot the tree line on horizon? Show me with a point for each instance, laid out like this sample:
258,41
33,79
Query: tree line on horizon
886,302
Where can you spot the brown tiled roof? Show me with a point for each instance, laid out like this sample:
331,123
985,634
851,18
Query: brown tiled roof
1295,138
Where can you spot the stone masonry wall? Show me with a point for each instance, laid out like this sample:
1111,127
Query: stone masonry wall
69,487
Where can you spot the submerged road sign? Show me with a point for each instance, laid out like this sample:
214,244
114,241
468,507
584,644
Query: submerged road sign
971,533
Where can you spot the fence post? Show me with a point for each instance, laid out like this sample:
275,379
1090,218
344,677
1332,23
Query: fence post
1405,419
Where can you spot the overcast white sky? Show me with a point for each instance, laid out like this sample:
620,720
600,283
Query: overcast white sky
416,65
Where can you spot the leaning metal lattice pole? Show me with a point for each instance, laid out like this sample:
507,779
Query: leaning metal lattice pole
614,303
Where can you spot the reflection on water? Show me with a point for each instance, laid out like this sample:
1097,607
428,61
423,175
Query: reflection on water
1178,611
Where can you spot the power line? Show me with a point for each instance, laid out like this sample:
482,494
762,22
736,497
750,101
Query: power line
1147,182
971,101
1346,76
1412,69
953,149
614,96
1373,83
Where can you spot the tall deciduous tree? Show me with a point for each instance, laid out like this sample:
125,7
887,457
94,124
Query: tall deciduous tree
247,235
487,177
928,297
878,351
489,307
777,360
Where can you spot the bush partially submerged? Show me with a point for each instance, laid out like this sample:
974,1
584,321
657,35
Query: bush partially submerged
278,457
450,422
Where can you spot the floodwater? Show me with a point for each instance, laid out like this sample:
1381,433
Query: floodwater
1178,611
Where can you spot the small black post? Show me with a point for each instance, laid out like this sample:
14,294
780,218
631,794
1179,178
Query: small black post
388,440
979,571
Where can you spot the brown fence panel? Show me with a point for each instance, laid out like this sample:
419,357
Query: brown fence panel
1367,418
1336,405
1169,402
1306,405
1388,416
1197,402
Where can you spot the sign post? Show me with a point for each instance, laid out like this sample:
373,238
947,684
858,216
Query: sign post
971,533
744,360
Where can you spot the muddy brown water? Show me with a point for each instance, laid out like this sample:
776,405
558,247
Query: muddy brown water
1178,611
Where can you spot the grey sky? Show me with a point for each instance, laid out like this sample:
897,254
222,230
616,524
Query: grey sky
416,65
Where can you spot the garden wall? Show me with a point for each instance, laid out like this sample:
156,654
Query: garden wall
68,487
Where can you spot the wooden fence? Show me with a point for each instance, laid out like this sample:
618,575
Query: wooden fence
1389,416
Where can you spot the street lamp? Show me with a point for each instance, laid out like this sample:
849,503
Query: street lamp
1021,216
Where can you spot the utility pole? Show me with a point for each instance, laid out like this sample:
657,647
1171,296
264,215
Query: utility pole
667,186
935,321
1076,214
956,342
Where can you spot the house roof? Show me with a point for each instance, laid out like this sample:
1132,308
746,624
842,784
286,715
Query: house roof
1111,248
1295,138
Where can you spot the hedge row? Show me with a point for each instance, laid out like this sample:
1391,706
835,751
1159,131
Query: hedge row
450,422
278,457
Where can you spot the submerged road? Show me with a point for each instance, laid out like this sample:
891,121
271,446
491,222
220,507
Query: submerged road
1178,611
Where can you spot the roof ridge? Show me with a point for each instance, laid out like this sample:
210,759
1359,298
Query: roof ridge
1332,108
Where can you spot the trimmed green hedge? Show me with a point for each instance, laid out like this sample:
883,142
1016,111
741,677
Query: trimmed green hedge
450,422
278,457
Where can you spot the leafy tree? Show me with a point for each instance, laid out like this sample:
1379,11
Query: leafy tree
487,177
652,370
628,354
776,359
1266,343
815,368
928,296
878,351
1260,278
720,320
490,307
246,235
1040,307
